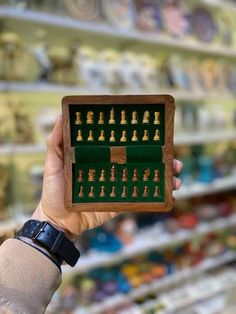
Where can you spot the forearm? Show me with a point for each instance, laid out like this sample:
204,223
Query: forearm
28,279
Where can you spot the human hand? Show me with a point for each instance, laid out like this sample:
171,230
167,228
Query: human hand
52,206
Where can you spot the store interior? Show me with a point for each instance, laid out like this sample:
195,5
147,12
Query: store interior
179,262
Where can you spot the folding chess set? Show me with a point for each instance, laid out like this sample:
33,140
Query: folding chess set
118,152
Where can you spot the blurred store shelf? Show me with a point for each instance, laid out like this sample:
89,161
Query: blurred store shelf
223,4
178,277
106,30
8,149
144,242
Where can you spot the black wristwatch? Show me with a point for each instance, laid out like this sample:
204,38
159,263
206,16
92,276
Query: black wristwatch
53,240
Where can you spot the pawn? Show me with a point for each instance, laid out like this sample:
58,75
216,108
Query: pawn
90,137
89,117
146,174
146,117
79,136
123,137
102,192
156,136
80,177
124,192
102,176
123,117
112,117
91,192
112,137
81,191
156,192
78,118
113,174
102,136
113,192
135,175
124,175
156,176
145,136
145,191
91,175
135,192
134,137
134,118
101,118
156,117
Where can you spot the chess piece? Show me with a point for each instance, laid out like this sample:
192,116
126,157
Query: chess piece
112,137
134,137
124,175
156,176
156,192
156,136
135,175
78,118
80,176
123,137
146,174
91,192
81,191
113,174
102,192
89,117
112,117
101,137
135,192
113,192
146,117
124,192
134,118
79,136
101,118
156,117
145,191
123,117
145,136
102,176
91,175
90,137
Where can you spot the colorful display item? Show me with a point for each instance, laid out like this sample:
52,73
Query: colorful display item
118,152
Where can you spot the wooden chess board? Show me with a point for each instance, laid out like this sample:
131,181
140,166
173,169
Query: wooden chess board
118,152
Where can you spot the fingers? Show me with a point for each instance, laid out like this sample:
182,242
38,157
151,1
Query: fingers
177,166
54,142
176,183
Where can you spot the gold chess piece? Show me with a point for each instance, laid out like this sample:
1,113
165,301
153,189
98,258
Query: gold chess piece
79,136
135,175
113,174
101,118
112,137
135,192
78,118
156,176
124,175
102,192
91,192
123,137
81,191
90,117
91,175
112,116
134,118
123,117
145,191
135,137
145,135
102,176
113,192
146,174
156,117
156,136
146,117
156,192
90,137
124,192
80,177
102,136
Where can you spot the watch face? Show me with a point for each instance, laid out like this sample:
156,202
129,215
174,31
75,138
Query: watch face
87,10
148,16
203,25
120,13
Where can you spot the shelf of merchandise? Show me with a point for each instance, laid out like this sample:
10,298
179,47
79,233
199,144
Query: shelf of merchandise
178,277
220,4
107,30
145,242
